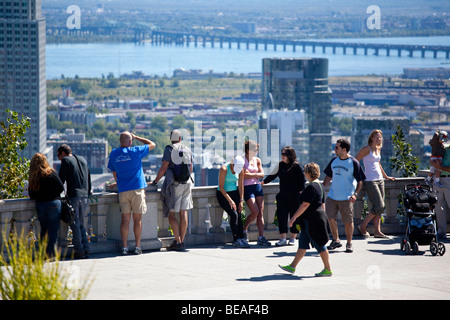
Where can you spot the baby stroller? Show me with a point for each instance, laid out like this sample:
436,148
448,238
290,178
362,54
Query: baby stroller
418,202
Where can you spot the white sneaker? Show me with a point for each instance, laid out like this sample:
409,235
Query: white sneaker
282,242
291,242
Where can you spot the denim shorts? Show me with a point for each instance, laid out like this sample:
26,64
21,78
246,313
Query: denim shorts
253,191
305,239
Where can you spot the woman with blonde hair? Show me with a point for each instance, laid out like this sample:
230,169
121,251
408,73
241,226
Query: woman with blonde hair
374,183
45,186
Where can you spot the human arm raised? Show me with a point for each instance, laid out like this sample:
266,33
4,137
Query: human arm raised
151,144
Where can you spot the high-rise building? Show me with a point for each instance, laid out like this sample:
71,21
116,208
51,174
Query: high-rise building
293,130
301,84
22,68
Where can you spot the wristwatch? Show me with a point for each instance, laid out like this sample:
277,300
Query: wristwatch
356,195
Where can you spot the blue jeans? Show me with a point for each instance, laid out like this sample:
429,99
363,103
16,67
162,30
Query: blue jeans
79,236
49,215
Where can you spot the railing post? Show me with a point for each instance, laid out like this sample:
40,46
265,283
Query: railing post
199,211
216,215
270,206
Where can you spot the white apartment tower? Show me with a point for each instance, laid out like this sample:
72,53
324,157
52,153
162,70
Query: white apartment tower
22,68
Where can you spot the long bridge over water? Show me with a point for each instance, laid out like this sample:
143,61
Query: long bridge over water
143,34
177,38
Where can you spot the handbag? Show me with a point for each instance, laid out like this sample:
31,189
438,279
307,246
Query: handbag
67,210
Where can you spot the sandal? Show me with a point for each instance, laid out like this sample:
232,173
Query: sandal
364,234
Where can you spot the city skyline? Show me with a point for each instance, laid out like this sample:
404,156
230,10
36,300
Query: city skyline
18,66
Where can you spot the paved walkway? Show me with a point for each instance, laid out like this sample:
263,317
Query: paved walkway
377,269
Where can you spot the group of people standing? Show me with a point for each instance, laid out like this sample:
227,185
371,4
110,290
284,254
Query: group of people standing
318,216
301,207
46,186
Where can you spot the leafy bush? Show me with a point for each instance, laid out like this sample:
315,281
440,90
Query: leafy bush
13,168
27,274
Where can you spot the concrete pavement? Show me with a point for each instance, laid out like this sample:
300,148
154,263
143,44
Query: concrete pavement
377,269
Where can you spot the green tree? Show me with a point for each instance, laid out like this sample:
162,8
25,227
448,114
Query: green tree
178,122
14,169
403,161
159,123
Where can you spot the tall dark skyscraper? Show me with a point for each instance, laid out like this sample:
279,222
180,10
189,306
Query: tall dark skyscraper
22,68
301,84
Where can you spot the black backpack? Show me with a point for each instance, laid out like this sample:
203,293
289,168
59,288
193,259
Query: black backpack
181,163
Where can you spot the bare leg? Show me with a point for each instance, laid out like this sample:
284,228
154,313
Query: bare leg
175,226
334,229
251,204
298,256
348,231
183,224
137,228
124,227
325,259
260,218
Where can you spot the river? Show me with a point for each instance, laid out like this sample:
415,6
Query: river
95,59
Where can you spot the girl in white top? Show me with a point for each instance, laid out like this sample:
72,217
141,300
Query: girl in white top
374,183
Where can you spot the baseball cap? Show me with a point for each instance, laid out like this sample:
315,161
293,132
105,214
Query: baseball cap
238,163
175,135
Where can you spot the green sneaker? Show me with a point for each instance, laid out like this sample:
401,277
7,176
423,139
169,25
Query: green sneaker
287,268
324,273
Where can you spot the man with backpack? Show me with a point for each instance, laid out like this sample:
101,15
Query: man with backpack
177,186
75,172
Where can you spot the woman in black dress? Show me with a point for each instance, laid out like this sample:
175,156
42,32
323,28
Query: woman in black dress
313,222
292,183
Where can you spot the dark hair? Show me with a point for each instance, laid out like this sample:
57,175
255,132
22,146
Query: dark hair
64,148
252,144
345,144
290,153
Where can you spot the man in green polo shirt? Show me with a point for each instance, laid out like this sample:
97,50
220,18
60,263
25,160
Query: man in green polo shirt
443,204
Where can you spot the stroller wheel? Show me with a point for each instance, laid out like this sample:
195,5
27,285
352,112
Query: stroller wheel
434,248
441,248
415,248
407,247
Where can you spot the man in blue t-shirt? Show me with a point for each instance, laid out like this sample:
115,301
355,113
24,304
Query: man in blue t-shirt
347,176
126,165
